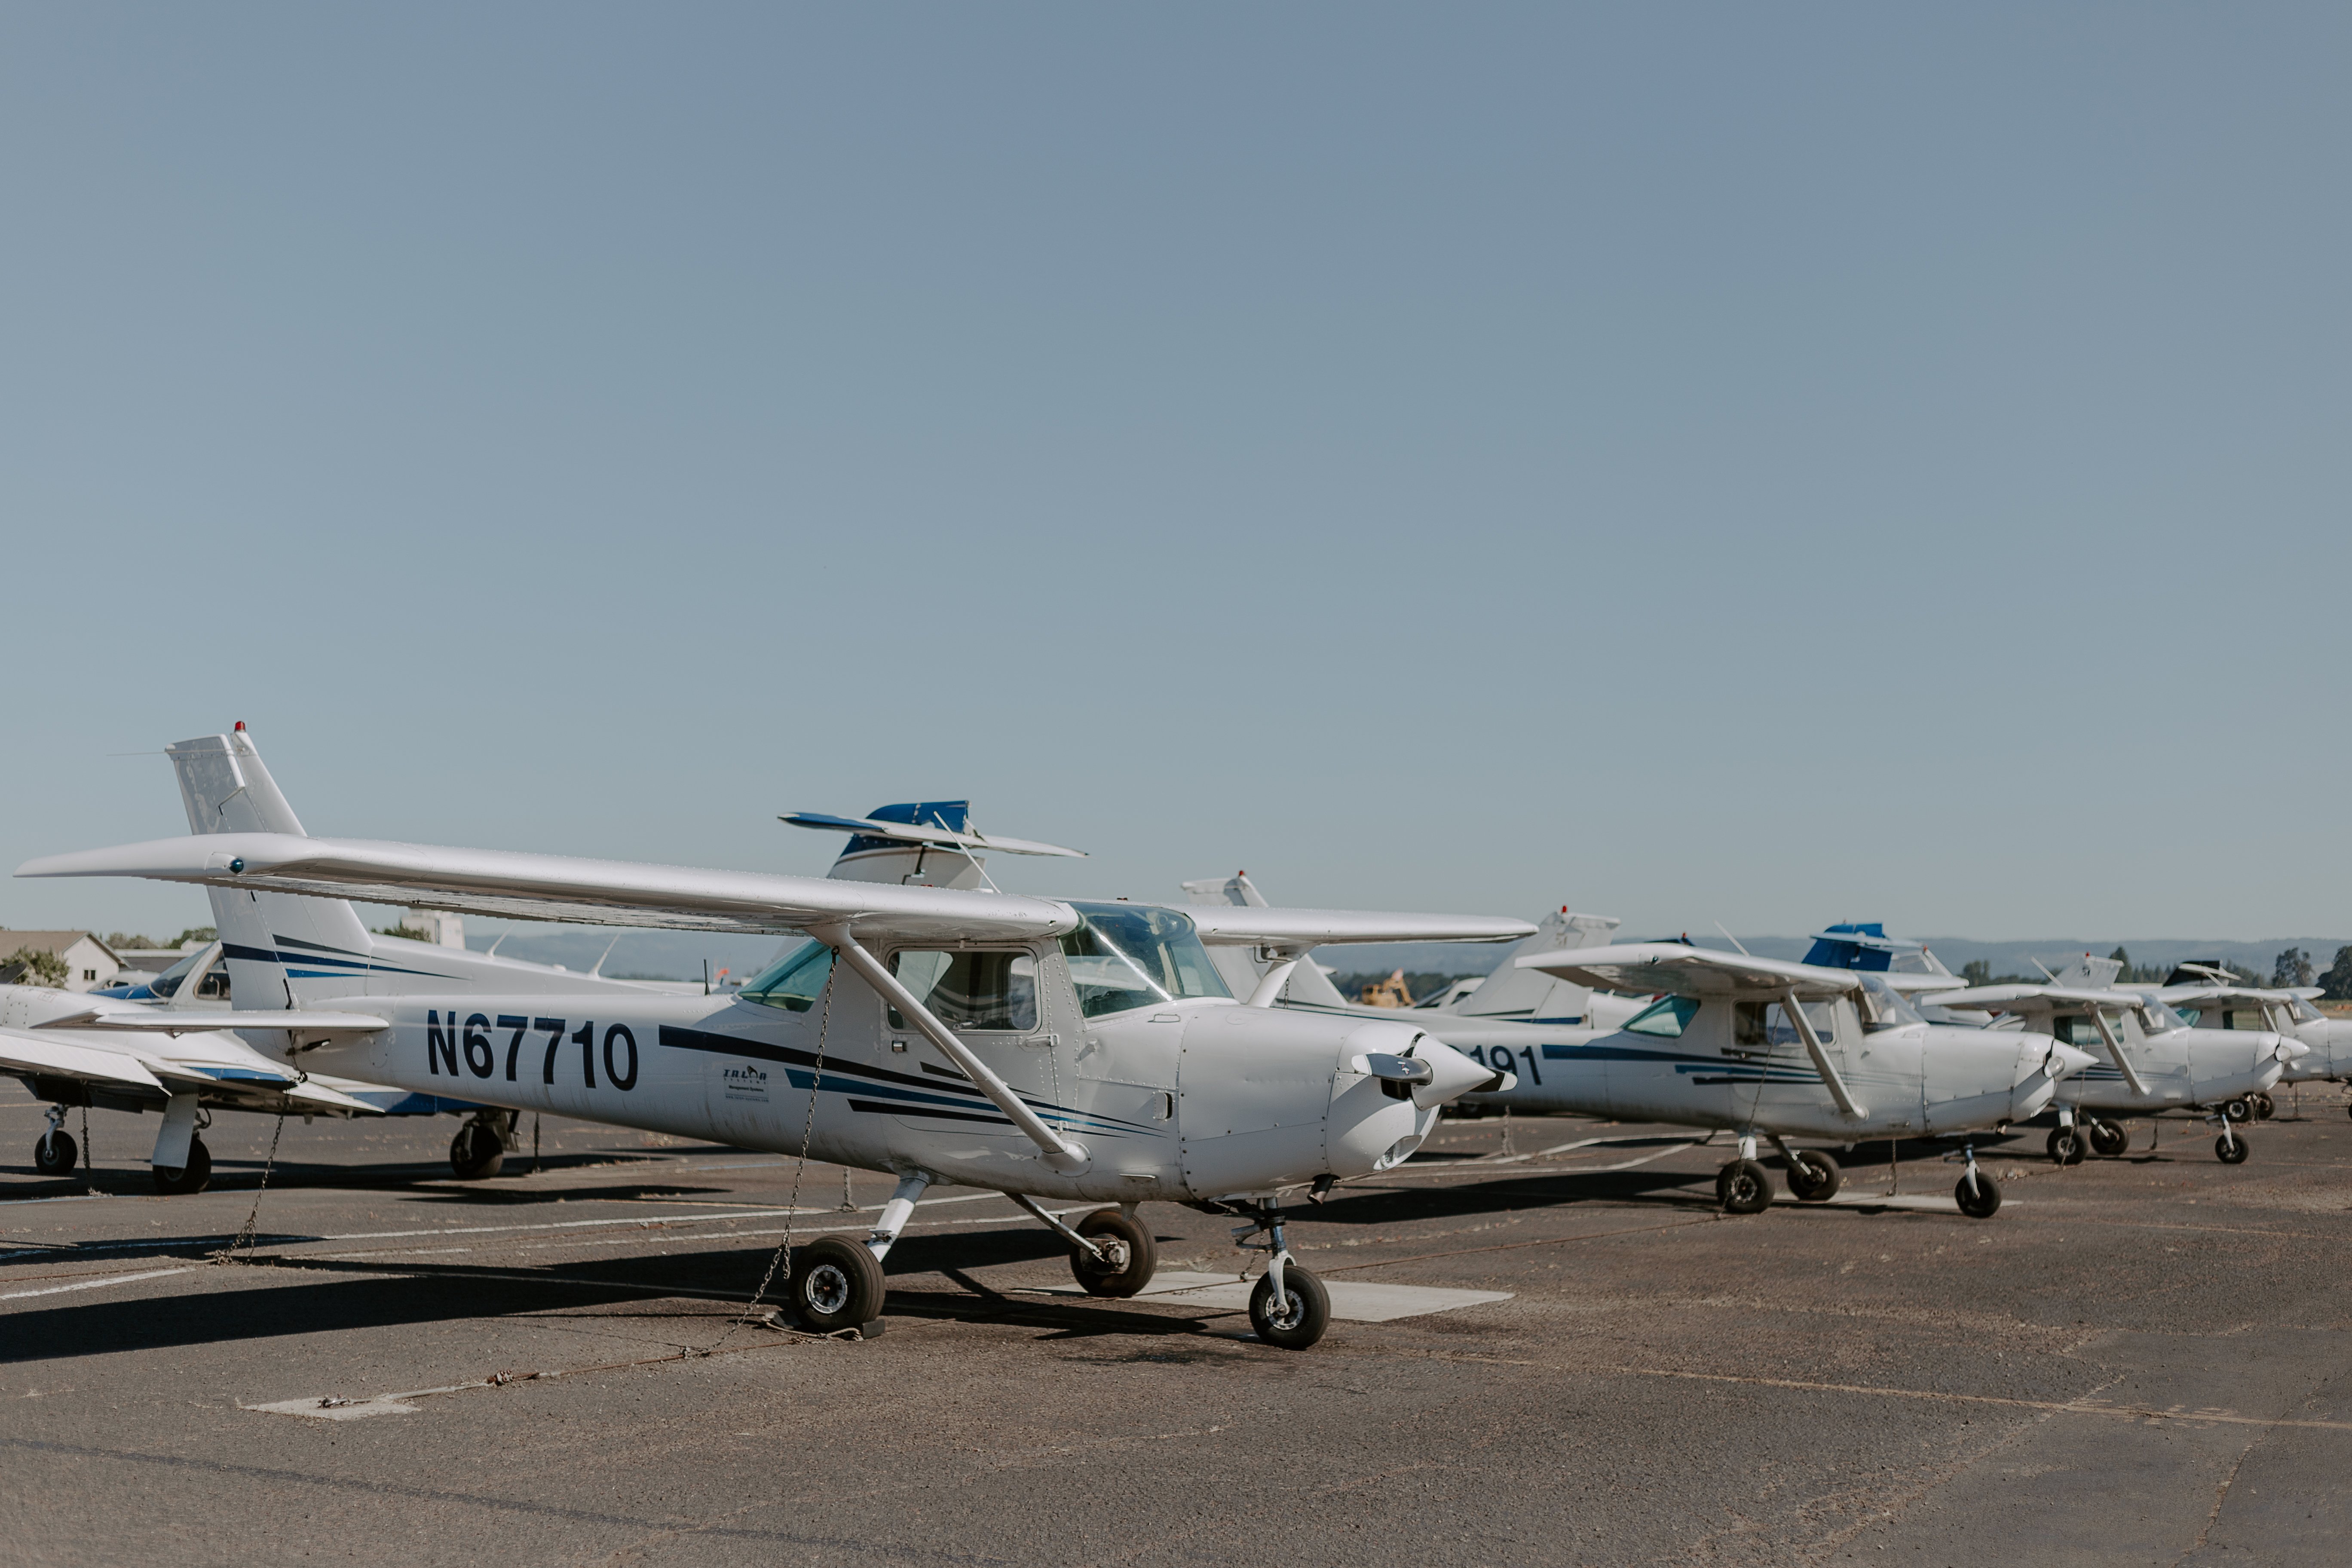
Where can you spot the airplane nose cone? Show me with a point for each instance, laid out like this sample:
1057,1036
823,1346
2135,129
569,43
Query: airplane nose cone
2291,1051
1453,1075
2066,1061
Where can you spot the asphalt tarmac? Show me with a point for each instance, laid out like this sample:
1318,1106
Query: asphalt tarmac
2137,1360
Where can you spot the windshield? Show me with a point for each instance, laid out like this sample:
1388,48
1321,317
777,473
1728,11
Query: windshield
2156,1019
1883,1007
2304,1012
214,983
793,981
1132,955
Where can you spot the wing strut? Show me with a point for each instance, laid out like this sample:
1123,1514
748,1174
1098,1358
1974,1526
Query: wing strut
1063,1154
2116,1050
1838,1091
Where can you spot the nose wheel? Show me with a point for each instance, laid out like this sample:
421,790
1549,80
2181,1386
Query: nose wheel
55,1152
1977,1193
2108,1138
1288,1306
2068,1145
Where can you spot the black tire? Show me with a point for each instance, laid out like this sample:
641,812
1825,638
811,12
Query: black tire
188,1179
837,1284
2237,1110
1743,1187
2231,1150
1982,1203
2067,1145
2108,1138
1129,1235
1813,1176
477,1152
55,1152
1306,1311
2265,1107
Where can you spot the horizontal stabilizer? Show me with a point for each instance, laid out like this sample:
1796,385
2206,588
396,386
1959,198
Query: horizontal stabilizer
565,888
918,833
196,1021
1234,925
1696,972
21,1052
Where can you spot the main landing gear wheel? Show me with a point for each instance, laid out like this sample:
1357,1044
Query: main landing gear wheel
2237,1110
2067,1145
2263,1107
1133,1256
1743,1187
2108,1138
2231,1151
54,1154
1981,1204
193,1177
477,1152
837,1284
1305,1312
1813,1176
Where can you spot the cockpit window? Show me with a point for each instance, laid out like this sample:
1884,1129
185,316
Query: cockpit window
2156,1019
2304,1012
1124,956
1666,1017
1883,1007
214,983
793,981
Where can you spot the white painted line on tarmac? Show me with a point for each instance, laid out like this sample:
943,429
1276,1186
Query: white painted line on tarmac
1355,1301
91,1284
60,1198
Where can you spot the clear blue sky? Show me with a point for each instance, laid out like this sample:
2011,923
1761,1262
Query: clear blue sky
1758,464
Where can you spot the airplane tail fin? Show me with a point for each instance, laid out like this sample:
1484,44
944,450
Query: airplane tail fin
1514,992
227,788
2090,973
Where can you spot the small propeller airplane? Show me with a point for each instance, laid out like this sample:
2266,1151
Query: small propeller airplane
2212,997
2155,1059
169,1043
1085,1052
1760,1048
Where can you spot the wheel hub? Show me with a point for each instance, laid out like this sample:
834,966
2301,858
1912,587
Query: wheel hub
827,1289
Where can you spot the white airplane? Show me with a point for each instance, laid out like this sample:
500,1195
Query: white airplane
1758,1047
2155,1059
72,1049
2225,1002
1066,1051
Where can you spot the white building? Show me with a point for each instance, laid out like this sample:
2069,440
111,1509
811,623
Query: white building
90,964
440,929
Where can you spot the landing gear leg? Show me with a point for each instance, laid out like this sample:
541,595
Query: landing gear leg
54,1151
1289,1308
896,1213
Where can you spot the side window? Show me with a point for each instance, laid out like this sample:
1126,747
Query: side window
1759,1026
970,990
1666,1017
2191,1013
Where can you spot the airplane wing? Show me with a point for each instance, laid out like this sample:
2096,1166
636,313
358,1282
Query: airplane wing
1910,983
918,833
196,1021
20,1052
1238,925
565,888
2002,997
1697,971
